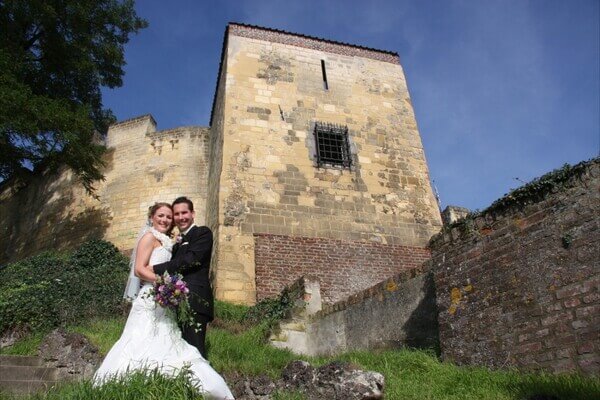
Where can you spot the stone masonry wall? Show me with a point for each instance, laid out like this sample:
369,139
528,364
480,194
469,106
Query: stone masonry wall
270,183
342,267
520,287
53,211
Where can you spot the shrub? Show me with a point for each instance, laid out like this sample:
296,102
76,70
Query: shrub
52,289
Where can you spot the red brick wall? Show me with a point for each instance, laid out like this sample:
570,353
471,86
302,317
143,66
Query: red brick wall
521,287
342,267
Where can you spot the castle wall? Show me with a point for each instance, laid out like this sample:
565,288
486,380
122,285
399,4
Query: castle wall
53,211
151,166
270,183
231,281
520,286
48,211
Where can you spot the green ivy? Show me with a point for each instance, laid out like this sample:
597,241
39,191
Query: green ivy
272,309
539,188
53,289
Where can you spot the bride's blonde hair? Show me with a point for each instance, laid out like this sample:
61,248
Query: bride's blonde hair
154,208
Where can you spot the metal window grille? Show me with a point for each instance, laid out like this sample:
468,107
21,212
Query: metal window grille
333,147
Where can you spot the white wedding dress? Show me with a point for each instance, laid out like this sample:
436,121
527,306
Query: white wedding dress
151,339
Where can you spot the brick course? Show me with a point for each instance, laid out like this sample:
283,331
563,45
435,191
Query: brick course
308,42
342,267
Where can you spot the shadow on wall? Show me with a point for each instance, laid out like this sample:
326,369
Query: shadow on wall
421,328
49,214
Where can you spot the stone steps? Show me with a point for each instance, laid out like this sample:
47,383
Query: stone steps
32,361
25,374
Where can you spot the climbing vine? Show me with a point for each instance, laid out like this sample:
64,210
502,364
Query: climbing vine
532,192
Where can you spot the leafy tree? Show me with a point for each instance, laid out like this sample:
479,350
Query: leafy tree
54,57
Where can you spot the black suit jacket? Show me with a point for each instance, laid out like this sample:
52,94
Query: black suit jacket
191,258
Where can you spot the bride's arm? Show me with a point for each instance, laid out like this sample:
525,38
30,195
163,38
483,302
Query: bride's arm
142,257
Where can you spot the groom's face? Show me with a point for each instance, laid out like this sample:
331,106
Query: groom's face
183,217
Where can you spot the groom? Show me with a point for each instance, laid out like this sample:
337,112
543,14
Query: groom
191,258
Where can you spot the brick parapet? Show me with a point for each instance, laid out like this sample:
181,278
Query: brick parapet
511,218
521,287
342,267
313,43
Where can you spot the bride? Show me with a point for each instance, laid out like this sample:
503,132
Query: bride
151,339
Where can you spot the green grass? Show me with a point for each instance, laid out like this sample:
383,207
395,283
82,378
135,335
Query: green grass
230,312
409,374
561,386
420,375
103,333
246,353
148,385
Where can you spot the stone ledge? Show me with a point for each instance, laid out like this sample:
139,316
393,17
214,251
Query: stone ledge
179,131
133,121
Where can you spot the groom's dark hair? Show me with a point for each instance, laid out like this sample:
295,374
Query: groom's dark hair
185,200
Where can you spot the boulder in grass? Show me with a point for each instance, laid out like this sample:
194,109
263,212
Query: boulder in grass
336,380
71,353
11,336
251,388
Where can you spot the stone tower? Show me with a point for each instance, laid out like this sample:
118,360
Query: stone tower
316,167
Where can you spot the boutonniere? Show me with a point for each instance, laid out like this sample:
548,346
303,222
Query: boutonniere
179,239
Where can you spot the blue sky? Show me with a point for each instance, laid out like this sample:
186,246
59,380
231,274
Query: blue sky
503,91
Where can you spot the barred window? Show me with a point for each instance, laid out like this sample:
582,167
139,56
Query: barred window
333,147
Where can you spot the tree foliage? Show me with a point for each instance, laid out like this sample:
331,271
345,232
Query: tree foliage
55,55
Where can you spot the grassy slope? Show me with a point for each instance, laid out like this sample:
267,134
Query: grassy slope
409,374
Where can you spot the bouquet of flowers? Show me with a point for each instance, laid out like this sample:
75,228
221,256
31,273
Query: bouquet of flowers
171,292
